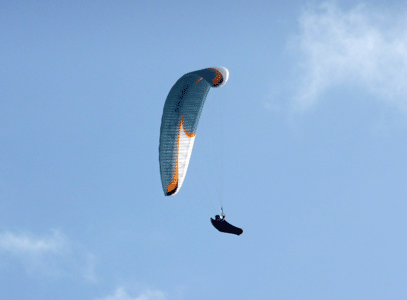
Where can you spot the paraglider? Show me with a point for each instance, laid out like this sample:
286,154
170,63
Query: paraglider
179,122
223,226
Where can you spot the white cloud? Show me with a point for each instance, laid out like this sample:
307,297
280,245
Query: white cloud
360,47
49,255
121,294
27,244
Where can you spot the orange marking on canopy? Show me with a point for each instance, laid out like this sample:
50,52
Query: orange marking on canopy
198,80
172,187
183,127
218,77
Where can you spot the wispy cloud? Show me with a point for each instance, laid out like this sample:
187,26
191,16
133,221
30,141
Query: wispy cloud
25,243
360,47
121,294
48,255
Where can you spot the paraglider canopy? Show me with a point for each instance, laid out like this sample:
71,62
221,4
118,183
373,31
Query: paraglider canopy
179,122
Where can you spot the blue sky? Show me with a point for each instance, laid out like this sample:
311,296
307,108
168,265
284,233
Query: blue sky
304,147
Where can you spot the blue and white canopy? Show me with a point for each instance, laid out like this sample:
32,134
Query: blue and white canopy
179,122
